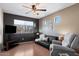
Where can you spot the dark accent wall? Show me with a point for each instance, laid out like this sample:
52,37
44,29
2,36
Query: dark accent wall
19,37
9,19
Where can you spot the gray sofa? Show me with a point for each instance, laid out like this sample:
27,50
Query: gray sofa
46,43
66,47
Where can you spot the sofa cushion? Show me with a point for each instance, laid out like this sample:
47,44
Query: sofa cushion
44,44
68,38
50,38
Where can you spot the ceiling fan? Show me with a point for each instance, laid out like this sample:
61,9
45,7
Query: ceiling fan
34,8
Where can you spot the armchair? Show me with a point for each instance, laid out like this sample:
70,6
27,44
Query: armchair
67,46
57,50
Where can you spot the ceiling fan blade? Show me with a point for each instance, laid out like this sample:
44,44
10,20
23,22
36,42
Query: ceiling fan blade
27,12
37,4
41,10
27,7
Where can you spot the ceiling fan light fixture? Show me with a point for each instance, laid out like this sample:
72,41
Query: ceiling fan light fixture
35,9
37,13
34,13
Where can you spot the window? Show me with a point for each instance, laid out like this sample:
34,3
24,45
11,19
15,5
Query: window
24,26
57,20
21,22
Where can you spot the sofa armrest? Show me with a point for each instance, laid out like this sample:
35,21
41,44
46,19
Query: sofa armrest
56,50
56,42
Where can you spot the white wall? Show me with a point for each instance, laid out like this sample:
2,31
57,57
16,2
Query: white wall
1,28
69,21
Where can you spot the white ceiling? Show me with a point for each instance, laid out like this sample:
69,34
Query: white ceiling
18,9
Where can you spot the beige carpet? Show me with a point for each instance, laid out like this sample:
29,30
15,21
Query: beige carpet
26,49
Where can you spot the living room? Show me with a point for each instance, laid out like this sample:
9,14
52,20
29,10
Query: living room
36,28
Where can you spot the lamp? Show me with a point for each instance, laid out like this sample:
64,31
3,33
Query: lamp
61,37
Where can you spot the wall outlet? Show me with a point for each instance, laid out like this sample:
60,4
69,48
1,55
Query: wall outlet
22,38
